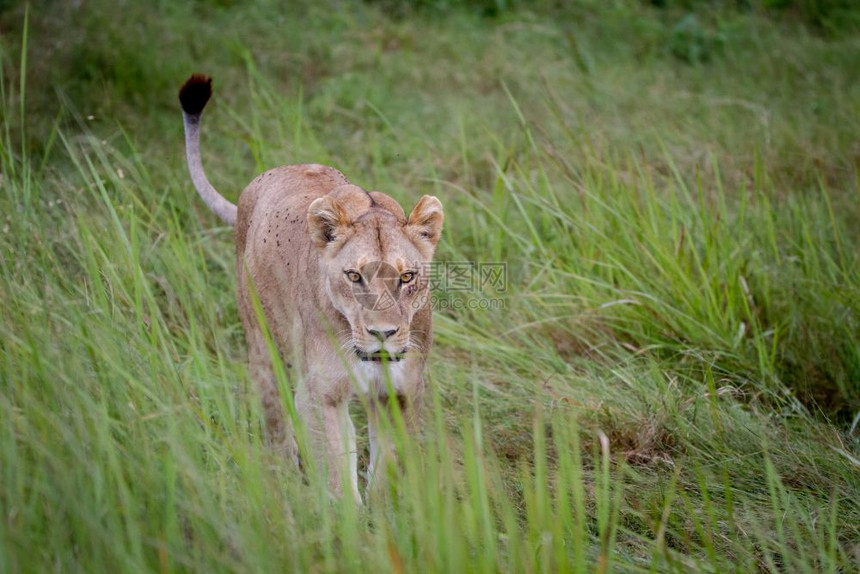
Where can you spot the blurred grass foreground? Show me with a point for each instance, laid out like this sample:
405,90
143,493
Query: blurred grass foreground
668,378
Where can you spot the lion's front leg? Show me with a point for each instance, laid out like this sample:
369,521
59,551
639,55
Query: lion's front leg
331,435
381,424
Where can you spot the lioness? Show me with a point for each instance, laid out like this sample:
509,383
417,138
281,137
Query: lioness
340,275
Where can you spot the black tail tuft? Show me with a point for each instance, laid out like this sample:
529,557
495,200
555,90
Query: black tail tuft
194,94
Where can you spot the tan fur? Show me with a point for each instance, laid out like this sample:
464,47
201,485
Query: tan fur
298,229
301,231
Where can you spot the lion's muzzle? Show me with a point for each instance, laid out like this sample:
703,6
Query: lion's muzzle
380,355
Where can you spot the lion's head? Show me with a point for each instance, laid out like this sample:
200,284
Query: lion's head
375,263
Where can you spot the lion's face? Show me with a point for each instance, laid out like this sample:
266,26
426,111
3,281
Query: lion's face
375,264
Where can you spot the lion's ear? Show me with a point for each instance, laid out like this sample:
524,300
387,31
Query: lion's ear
327,220
425,221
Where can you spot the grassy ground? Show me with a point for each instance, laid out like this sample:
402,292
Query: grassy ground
672,384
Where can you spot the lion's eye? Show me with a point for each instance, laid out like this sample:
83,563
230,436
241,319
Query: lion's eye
353,276
407,277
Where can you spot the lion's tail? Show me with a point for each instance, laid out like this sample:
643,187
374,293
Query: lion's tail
193,96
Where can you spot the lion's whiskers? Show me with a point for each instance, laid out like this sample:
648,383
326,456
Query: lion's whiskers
347,343
415,343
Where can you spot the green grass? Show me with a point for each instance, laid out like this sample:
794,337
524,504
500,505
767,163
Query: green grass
673,383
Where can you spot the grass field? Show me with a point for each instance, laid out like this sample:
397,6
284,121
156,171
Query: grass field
670,383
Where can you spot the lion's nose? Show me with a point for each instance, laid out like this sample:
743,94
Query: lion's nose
382,334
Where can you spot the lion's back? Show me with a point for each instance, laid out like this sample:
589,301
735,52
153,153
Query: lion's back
282,195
